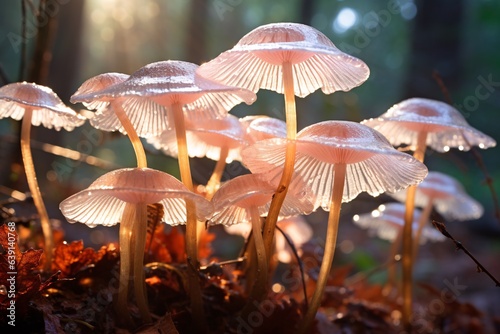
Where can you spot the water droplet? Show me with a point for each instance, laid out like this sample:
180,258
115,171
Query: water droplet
3,290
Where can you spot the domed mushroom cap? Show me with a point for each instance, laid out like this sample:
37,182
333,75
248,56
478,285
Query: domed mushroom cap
263,127
96,84
387,221
206,139
169,82
235,198
448,196
445,126
255,61
373,165
102,203
48,109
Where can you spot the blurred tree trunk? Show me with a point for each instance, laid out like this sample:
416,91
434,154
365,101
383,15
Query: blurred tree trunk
196,22
306,11
435,46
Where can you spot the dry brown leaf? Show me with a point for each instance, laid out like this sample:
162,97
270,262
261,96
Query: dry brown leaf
70,258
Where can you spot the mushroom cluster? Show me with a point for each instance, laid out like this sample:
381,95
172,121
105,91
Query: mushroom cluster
182,110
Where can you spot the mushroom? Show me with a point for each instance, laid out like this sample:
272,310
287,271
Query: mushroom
338,160
175,86
219,139
122,196
387,222
263,127
418,123
292,59
37,105
246,198
130,115
447,195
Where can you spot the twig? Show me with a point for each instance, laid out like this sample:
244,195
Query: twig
299,261
473,150
442,228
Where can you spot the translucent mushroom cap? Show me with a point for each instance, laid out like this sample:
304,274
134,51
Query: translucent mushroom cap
445,126
255,61
448,196
147,117
263,127
169,82
235,198
48,109
373,165
102,203
387,221
96,84
206,139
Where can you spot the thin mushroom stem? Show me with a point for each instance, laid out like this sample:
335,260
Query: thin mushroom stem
331,239
29,169
407,257
132,134
286,177
191,221
424,218
391,267
138,262
214,181
125,240
259,245
180,133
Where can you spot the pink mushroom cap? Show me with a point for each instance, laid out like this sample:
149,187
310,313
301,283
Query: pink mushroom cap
169,82
387,221
48,109
448,196
233,200
102,203
373,165
255,61
263,127
445,126
206,139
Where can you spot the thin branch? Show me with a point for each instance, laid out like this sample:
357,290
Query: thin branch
299,261
473,150
480,268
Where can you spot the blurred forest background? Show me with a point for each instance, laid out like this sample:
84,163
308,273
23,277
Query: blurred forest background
406,44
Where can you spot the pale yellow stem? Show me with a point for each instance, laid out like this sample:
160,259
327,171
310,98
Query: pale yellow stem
125,240
259,245
29,169
214,181
183,157
191,222
140,229
391,267
424,218
407,256
131,133
288,168
331,239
